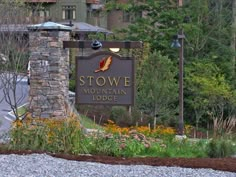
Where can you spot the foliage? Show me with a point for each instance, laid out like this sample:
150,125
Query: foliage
209,85
14,47
160,23
208,51
88,123
184,148
135,144
132,147
188,129
218,148
119,115
101,145
72,84
53,135
111,127
206,24
157,87
224,126
65,135
209,93
72,71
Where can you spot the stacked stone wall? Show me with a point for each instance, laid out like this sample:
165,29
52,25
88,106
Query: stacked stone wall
49,73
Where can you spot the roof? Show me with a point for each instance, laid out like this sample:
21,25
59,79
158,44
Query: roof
85,27
13,28
80,27
49,26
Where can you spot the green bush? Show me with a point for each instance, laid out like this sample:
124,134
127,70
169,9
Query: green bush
58,135
120,115
133,148
185,148
218,148
72,85
99,145
127,146
52,135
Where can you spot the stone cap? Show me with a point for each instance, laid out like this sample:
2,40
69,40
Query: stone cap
49,26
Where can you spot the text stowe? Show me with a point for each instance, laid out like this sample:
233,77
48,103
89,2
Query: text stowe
101,81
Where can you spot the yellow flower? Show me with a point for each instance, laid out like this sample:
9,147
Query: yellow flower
17,123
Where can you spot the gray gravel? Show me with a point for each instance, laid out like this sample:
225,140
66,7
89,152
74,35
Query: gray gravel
42,165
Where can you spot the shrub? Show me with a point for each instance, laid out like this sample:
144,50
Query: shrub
72,85
120,115
53,135
224,126
132,148
100,145
159,131
220,148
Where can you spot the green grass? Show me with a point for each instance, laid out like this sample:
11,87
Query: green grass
88,123
21,110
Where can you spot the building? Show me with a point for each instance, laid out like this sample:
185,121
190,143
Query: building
120,18
88,11
89,14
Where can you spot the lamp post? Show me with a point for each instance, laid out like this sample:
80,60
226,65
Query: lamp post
178,42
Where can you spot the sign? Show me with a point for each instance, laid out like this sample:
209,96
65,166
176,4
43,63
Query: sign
105,78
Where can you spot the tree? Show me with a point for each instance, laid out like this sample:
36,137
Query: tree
14,45
157,88
208,33
160,21
210,94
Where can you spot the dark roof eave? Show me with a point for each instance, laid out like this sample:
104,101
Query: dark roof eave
82,28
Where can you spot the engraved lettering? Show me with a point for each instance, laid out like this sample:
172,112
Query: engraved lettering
127,81
100,81
90,78
114,80
81,79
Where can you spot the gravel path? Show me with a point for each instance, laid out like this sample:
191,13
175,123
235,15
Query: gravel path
42,165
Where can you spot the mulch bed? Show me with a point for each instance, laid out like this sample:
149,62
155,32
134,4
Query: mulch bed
223,164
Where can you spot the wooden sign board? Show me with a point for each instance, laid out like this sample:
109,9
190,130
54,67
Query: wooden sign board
105,78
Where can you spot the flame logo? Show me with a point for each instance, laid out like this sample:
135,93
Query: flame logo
104,64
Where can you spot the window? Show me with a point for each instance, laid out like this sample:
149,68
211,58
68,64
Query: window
131,17
41,12
44,13
68,12
126,16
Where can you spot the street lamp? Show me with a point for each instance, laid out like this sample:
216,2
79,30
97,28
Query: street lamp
178,42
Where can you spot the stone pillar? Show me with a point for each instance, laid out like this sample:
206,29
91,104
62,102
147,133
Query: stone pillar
49,70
